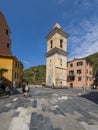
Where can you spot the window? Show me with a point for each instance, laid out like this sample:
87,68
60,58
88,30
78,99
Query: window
61,41
90,72
79,71
71,65
51,44
87,78
50,62
79,78
87,71
71,73
79,63
7,32
16,75
8,45
16,65
60,62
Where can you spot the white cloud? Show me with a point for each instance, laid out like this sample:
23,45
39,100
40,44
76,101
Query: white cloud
84,40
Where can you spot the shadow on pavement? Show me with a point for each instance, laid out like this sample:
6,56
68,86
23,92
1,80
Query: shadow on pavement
15,91
92,96
41,122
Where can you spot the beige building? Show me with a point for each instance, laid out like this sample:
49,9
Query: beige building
56,58
79,73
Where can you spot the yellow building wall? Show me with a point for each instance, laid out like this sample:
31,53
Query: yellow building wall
15,72
18,69
7,64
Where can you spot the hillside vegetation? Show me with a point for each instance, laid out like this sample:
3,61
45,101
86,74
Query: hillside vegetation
94,60
37,74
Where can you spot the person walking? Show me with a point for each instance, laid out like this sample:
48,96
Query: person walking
27,89
23,87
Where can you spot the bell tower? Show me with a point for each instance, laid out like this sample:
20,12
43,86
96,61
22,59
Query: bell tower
56,58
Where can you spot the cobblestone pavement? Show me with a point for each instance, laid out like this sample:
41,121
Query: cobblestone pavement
50,109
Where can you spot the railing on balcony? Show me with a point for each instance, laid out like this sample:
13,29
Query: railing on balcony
70,77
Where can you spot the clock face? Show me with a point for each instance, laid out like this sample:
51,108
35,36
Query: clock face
59,57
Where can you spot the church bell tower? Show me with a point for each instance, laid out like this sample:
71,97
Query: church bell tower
56,58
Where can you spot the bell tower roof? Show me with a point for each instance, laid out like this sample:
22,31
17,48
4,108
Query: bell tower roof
56,29
57,25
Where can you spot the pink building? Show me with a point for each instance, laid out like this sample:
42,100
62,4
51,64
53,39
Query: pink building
79,73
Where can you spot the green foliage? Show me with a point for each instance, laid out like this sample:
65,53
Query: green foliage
35,74
94,60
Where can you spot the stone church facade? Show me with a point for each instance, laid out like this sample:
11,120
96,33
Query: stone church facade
56,58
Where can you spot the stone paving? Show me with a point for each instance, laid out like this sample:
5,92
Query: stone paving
50,109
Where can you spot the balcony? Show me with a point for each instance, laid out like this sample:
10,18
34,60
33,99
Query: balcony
70,77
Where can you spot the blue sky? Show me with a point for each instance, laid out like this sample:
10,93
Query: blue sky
31,20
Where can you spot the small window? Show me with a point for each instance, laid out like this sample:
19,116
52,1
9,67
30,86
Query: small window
79,63
16,75
7,32
71,73
90,72
79,71
87,78
51,43
18,65
61,41
79,78
60,62
87,71
71,65
8,45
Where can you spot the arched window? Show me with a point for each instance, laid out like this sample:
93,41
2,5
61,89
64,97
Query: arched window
61,43
51,43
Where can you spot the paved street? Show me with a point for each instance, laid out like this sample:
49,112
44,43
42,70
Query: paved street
48,109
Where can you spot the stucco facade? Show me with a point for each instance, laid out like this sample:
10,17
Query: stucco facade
5,41
79,73
15,70
56,58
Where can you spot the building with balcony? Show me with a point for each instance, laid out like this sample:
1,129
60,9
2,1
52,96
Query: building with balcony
79,73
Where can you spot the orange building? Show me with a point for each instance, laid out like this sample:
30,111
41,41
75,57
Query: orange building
79,73
5,41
